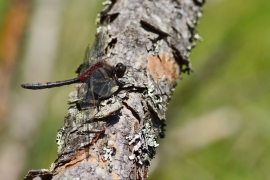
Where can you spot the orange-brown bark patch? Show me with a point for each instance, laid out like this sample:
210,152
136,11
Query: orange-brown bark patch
163,65
102,164
95,138
115,176
92,159
80,155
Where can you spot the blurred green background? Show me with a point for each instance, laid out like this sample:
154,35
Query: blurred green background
218,118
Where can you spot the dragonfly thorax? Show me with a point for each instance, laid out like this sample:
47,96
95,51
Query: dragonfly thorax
94,67
84,77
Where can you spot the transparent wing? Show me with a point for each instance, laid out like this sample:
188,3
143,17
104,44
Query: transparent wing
86,93
82,91
86,62
105,88
103,85
95,53
98,49
87,54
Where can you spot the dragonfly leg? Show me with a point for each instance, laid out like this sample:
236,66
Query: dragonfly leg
78,106
119,83
98,103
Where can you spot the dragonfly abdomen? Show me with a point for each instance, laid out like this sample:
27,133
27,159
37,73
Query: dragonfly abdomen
46,85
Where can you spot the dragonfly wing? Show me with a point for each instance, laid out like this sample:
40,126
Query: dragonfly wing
85,92
95,53
82,91
86,95
86,62
90,96
87,54
105,88
104,84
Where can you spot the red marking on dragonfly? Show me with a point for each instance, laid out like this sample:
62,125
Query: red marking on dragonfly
96,66
85,75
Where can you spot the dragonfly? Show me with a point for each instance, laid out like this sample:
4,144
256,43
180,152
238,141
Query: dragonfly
99,79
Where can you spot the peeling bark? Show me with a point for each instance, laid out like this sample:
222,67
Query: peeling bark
153,39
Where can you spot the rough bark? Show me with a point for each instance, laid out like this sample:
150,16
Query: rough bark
153,39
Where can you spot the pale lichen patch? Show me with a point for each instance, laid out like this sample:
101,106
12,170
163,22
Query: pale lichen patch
163,65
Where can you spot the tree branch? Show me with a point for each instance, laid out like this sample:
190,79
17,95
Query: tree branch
153,39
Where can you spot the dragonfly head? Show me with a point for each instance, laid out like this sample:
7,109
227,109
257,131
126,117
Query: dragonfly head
119,70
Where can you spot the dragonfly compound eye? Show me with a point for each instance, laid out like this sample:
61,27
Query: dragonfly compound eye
120,70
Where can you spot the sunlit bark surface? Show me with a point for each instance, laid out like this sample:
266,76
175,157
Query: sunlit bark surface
153,39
